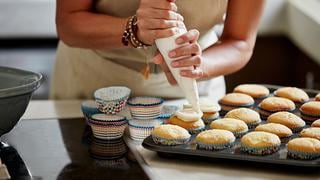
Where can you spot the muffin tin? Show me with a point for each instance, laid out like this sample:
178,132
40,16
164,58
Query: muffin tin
234,153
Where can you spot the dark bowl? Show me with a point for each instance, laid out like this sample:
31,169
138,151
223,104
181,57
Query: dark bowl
16,88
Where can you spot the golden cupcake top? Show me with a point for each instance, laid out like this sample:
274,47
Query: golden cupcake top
277,104
311,108
275,128
316,123
230,124
304,144
245,114
185,124
253,90
317,98
260,139
188,115
286,118
237,99
312,132
215,136
171,132
292,93
205,106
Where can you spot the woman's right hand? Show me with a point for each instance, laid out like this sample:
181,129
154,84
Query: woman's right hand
157,19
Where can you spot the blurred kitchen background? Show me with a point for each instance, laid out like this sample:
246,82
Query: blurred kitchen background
287,51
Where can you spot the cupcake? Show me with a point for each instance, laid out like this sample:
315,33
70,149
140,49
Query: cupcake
254,90
112,100
316,123
237,127
140,129
282,131
189,120
107,126
215,139
260,143
235,100
312,132
209,109
144,107
317,98
292,121
296,95
304,148
310,111
249,116
170,135
275,104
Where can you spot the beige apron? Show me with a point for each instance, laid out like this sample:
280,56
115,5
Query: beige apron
78,72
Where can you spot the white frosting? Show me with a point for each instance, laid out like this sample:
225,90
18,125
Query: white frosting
205,106
188,85
188,115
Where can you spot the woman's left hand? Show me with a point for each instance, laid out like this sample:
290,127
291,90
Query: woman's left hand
187,55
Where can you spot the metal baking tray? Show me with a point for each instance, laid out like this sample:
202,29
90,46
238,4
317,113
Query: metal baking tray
234,153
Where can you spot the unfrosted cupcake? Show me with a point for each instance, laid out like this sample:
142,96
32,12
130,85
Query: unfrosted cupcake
170,135
235,100
304,148
316,123
310,111
260,143
312,132
272,105
254,90
215,139
237,127
296,95
209,109
292,121
282,131
249,116
188,119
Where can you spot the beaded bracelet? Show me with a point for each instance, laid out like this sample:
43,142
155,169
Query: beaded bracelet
130,34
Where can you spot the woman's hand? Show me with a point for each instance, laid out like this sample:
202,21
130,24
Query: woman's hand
157,19
188,55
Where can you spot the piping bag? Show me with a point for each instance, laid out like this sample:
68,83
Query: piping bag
188,85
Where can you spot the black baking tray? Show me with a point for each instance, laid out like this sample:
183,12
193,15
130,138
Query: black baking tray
234,153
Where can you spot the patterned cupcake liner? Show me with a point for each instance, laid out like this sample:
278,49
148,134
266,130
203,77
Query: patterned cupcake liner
259,151
252,125
107,118
309,118
211,147
169,142
99,123
145,101
89,108
209,120
112,107
302,155
196,130
144,117
139,134
239,134
108,149
108,133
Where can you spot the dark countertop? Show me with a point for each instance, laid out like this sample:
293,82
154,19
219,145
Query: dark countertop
65,149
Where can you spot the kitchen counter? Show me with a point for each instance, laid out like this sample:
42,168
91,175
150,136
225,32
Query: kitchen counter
46,113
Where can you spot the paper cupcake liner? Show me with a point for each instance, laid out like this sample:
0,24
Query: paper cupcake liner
259,151
253,124
144,117
107,118
139,134
309,118
107,132
226,108
120,123
89,108
297,129
209,120
112,107
196,131
145,101
266,113
302,155
239,134
169,142
211,147
108,149
112,93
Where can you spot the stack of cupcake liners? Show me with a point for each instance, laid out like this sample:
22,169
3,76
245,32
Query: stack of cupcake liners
144,107
107,126
112,100
89,108
140,129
